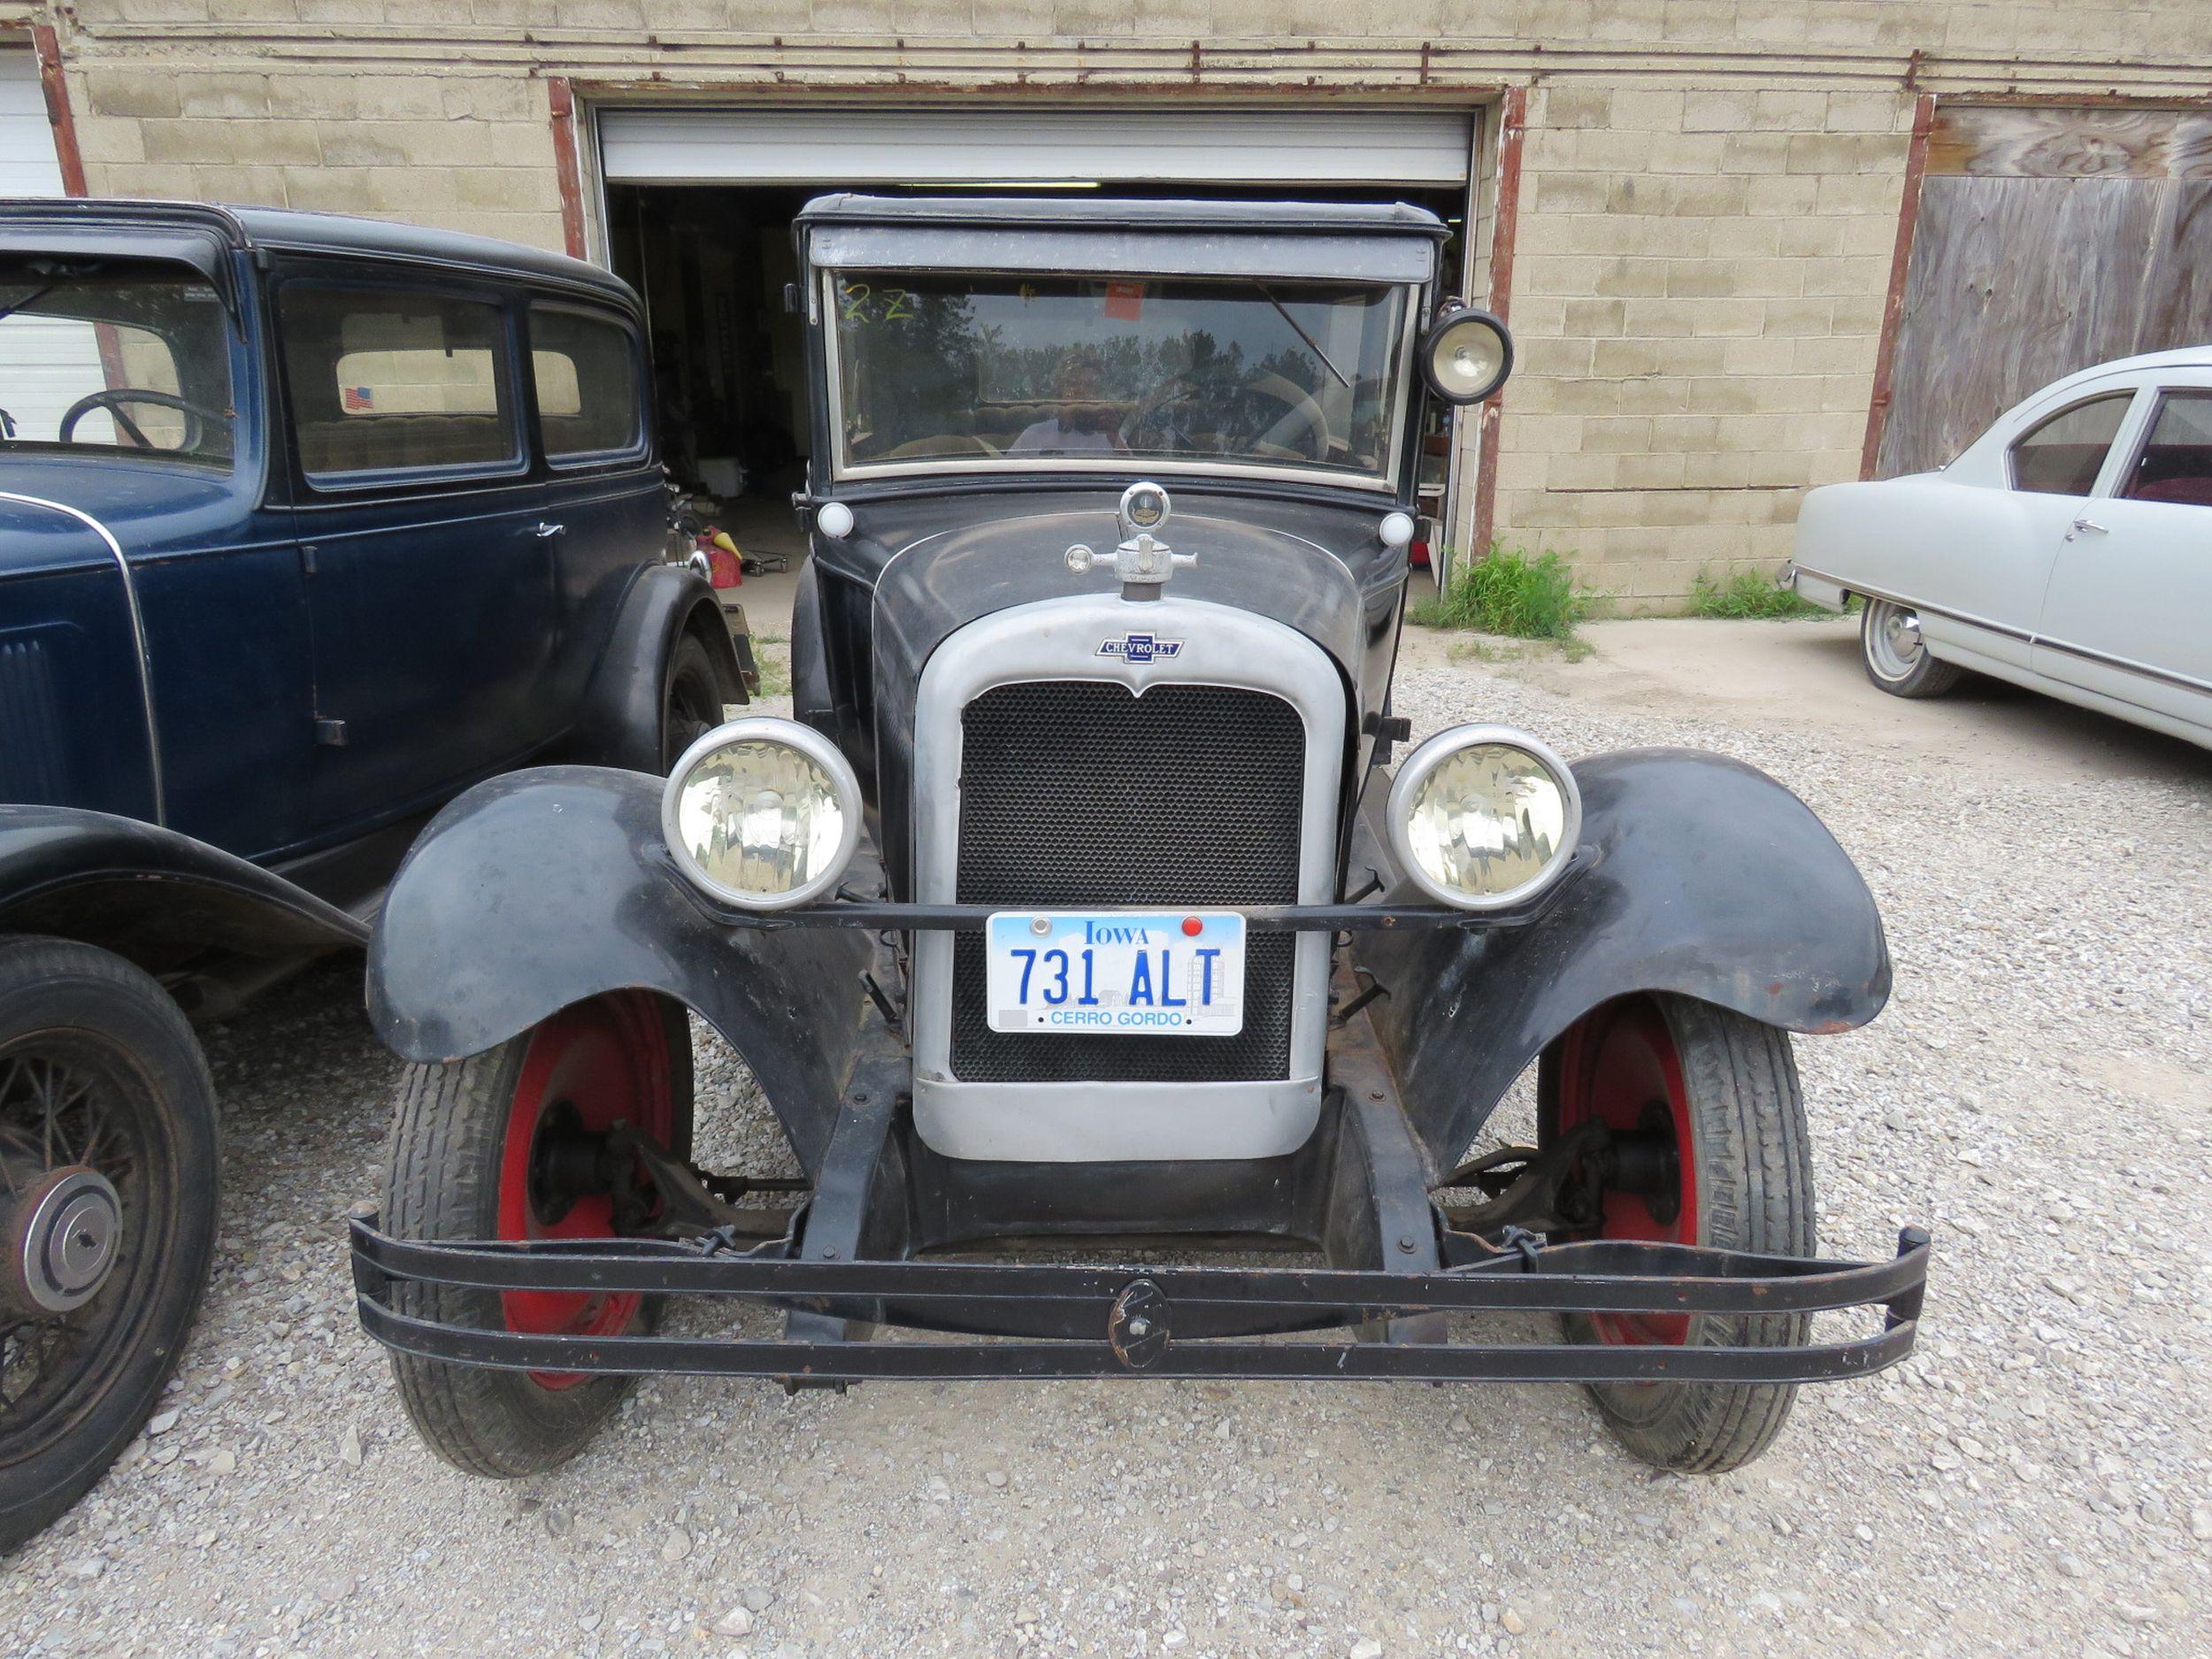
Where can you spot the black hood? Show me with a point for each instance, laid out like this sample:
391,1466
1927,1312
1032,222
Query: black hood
924,565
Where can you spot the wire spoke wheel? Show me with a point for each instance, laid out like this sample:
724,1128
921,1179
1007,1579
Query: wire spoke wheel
1709,1132
108,1171
63,1110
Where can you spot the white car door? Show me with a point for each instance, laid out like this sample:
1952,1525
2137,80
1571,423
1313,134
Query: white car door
2129,612
1981,568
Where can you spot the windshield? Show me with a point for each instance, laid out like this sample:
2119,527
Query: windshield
99,361
933,367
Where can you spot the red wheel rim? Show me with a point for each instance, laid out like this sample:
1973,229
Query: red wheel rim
1620,1066
607,1060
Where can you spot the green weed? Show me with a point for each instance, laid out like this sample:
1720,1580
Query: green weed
1747,596
1510,593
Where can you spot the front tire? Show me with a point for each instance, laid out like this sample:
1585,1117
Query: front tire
109,1147
469,1160
1896,657
1724,1089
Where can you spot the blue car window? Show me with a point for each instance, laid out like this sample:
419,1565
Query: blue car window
385,380
119,360
586,368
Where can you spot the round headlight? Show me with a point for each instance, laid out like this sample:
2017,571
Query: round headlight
762,812
1483,817
1466,355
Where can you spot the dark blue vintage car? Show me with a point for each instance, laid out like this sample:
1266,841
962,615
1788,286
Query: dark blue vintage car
306,525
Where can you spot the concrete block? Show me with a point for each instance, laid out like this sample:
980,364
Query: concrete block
509,190
243,95
261,187
1717,111
1625,359
275,143
314,97
1876,195
1629,276
1774,109
1574,106
1592,319
130,92
110,140
1629,434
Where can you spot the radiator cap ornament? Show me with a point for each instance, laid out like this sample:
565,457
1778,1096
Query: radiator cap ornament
1142,562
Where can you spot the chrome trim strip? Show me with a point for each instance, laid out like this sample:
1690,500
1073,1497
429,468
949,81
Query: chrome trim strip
2022,635
138,635
1058,638
2027,636
2106,660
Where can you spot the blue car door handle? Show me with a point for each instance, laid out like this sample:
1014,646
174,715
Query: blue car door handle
545,532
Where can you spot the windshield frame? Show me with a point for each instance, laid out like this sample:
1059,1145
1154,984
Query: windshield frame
1386,480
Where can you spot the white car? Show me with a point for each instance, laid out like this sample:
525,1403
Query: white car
2069,549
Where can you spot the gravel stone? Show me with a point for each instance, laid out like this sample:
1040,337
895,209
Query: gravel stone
2064,989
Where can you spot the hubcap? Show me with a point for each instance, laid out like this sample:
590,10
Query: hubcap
64,1233
1893,639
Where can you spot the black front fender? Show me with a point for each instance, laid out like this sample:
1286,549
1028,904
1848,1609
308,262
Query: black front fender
545,887
152,896
1704,877
620,723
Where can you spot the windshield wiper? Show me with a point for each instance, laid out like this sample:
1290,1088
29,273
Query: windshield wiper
1314,344
36,294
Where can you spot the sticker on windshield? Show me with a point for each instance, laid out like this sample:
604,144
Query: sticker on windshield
1125,301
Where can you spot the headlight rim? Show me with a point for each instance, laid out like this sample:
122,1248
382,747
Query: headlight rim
1415,770
792,734
1452,315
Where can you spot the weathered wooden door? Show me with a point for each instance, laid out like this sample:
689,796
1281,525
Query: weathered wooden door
2046,241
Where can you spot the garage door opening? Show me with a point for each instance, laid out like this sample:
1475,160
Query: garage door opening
699,206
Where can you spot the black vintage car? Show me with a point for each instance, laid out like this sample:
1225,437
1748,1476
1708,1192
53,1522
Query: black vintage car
1082,910
306,525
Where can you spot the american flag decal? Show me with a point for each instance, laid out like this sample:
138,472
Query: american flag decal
355,400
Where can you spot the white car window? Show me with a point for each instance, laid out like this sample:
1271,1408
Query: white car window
2063,455
2176,464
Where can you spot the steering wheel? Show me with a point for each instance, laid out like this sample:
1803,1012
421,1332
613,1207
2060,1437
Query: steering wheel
197,418
1299,433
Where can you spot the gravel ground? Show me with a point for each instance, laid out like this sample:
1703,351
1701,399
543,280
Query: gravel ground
2037,1480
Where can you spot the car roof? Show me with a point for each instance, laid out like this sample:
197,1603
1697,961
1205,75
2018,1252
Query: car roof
1081,210
246,229
2183,358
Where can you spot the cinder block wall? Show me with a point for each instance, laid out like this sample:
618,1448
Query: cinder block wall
1709,196
1698,297
450,145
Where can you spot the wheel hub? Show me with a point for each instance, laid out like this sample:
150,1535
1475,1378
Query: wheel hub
1902,628
64,1234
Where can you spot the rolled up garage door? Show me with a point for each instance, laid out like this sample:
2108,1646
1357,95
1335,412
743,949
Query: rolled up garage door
1030,146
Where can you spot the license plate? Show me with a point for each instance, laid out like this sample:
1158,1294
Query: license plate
1171,973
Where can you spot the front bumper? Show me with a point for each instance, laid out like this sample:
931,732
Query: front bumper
866,1246
1121,1321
